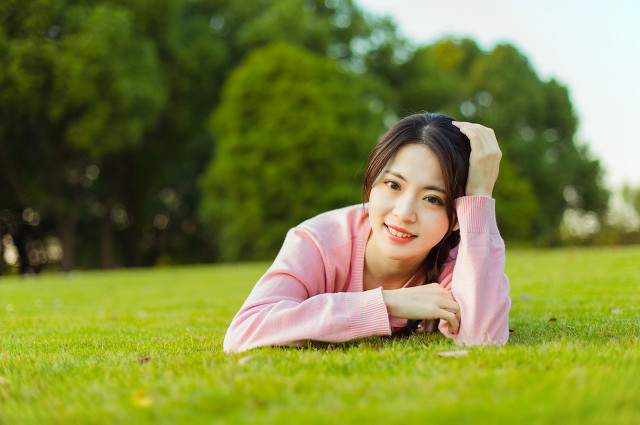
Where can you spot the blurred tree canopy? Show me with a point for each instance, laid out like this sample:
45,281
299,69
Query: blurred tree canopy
109,155
292,131
632,196
534,122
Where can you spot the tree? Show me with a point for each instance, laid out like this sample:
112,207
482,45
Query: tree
631,196
198,44
537,128
534,122
292,133
104,108
88,89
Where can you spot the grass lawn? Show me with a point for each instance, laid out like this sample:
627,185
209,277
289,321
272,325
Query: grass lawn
145,346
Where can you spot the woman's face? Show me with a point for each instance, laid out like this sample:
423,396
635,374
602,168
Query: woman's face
407,205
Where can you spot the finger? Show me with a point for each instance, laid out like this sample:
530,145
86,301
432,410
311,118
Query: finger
452,296
468,125
465,127
487,137
477,131
449,305
447,294
453,321
462,123
473,133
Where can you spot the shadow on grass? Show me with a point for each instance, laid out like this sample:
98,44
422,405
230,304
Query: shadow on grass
378,343
525,332
531,333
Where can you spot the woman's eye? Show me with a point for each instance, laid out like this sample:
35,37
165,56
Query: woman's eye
433,200
392,185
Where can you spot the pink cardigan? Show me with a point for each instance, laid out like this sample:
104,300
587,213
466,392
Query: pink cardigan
313,289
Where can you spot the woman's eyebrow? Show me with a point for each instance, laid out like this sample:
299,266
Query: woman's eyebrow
398,175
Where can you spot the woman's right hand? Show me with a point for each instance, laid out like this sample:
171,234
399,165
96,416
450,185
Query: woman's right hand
426,302
484,161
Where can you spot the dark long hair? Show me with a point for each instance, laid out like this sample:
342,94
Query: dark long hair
451,148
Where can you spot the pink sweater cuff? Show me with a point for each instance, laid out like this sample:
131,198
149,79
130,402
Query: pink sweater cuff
368,314
476,214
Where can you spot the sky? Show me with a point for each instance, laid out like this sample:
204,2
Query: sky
590,46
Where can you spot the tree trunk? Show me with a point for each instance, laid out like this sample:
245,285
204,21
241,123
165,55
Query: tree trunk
132,241
20,242
131,200
3,265
65,210
66,226
107,260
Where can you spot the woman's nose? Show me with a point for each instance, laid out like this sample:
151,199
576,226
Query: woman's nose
405,209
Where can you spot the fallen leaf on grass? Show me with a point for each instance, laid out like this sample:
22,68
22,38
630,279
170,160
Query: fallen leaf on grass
261,403
140,398
511,330
243,360
456,354
143,360
552,319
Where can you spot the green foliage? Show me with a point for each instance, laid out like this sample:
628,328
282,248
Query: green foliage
534,122
87,84
145,347
292,133
632,196
438,79
536,126
94,81
128,86
516,205
106,85
427,86
79,84
337,28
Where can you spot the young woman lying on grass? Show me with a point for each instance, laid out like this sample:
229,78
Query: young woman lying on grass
424,254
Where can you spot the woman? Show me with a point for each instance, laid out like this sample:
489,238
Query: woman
425,248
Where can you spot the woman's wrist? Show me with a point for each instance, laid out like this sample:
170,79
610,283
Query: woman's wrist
388,297
479,191
473,195
476,214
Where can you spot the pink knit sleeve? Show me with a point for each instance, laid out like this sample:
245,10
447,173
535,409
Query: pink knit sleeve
477,278
293,303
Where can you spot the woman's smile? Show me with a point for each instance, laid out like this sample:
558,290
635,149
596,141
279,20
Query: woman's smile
398,234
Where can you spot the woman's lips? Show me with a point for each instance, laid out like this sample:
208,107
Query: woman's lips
398,234
400,230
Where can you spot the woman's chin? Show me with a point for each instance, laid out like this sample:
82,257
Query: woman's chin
401,253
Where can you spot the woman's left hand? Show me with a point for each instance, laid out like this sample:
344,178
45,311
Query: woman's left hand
484,162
